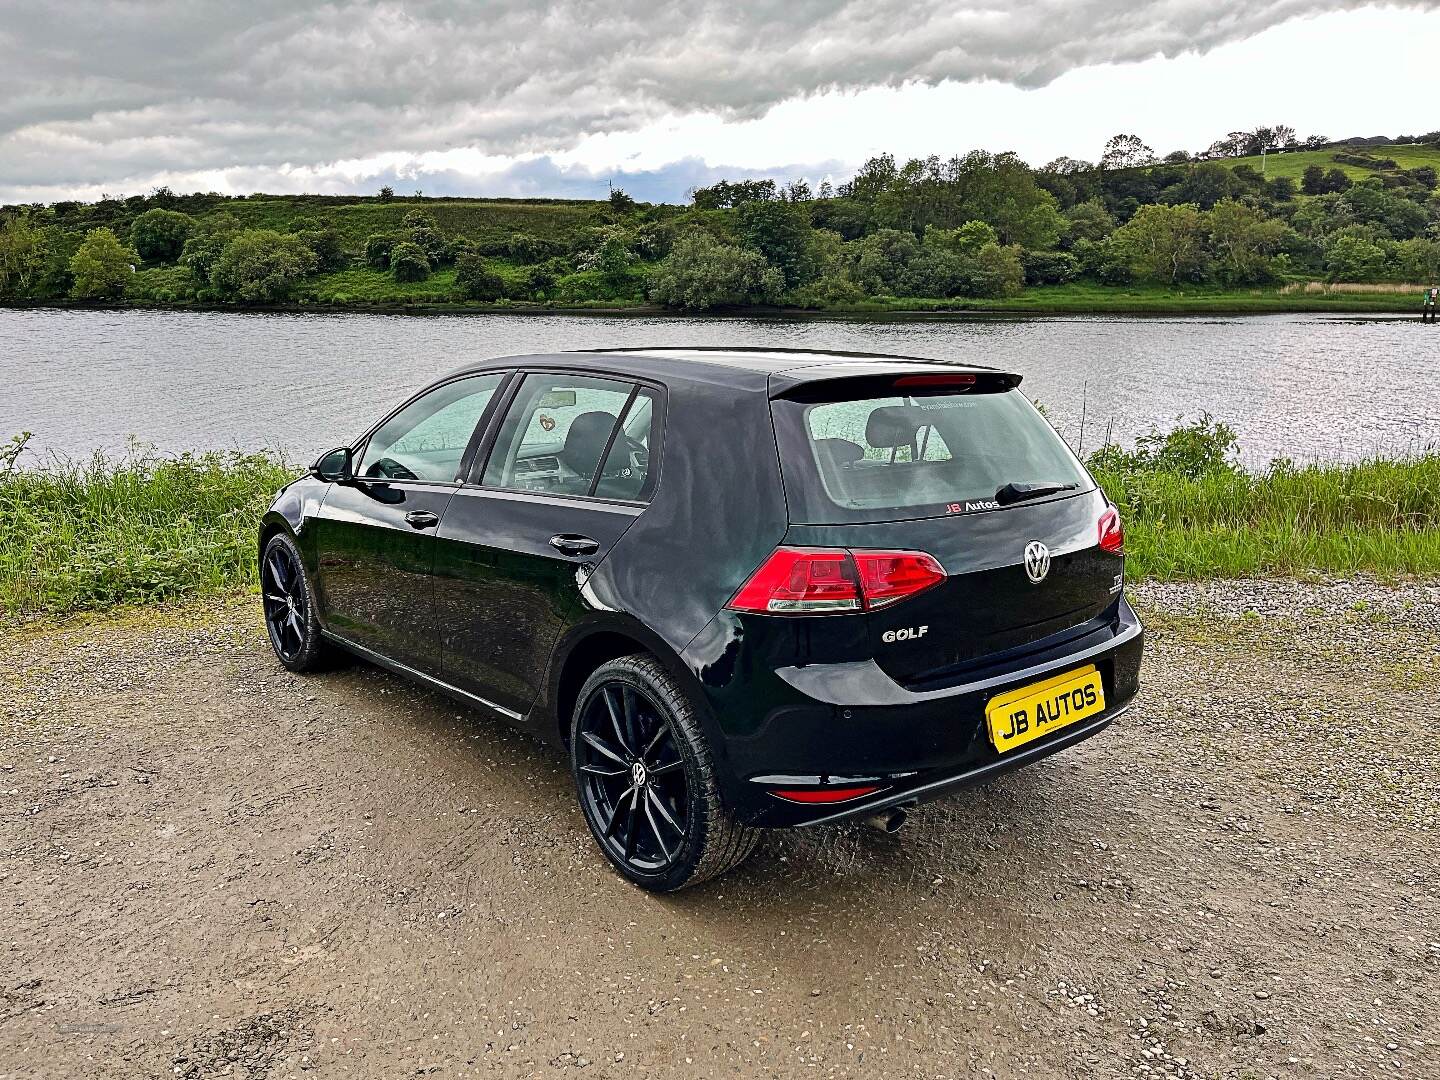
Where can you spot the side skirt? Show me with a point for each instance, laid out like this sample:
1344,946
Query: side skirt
415,675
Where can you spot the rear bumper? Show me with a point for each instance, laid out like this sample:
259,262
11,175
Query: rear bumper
850,724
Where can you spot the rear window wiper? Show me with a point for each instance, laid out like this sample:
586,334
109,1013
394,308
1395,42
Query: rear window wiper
1013,493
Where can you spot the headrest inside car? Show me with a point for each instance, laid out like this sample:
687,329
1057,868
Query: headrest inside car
893,425
586,439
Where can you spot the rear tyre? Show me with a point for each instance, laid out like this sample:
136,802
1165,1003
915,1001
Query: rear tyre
289,603
646,779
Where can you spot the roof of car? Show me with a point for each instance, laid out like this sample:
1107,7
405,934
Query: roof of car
797,365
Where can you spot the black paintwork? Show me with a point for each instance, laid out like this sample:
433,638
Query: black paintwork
485,608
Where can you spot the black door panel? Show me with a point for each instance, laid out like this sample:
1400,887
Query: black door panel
504,591
374,578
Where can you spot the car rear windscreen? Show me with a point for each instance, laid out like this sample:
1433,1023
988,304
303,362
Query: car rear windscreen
850,458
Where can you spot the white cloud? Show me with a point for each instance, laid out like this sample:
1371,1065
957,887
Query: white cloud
288,96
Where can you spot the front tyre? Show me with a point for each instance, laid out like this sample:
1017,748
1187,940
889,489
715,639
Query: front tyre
289,604
646,779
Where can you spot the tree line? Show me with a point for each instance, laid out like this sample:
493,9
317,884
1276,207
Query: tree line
977,225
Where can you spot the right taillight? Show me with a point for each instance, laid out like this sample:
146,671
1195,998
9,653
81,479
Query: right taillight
1112,535
821,581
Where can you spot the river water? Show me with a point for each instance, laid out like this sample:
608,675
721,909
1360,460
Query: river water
1303,386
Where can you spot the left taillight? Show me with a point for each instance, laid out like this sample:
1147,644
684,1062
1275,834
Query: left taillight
1112,534
830,581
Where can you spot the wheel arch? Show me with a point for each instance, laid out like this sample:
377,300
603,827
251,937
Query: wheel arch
273,522
586,648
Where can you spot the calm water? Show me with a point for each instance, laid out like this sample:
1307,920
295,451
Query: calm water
1303,386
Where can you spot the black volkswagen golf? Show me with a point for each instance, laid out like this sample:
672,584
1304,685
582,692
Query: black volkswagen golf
738,588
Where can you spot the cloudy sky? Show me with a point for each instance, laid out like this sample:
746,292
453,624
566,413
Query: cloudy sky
508,97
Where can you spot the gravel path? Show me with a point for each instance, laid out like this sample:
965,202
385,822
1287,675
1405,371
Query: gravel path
209,867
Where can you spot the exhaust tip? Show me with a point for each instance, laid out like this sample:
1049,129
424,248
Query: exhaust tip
888,821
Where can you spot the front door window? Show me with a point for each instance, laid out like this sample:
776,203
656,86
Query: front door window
427,439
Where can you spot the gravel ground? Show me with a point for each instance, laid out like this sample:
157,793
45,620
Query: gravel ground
209,867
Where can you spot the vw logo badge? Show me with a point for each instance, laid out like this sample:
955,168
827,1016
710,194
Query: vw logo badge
1037,561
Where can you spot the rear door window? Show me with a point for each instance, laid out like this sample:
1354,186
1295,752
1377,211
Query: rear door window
908,455
575,435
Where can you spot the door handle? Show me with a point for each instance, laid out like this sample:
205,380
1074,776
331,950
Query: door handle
574,545
421,519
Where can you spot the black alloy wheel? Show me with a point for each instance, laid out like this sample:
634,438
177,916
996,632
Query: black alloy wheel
645,780
289,606
633,777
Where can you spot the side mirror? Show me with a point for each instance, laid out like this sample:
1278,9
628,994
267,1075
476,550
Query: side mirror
336,466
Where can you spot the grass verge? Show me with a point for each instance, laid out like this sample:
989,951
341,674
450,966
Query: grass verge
1377,517
108,532
143,528
1083,297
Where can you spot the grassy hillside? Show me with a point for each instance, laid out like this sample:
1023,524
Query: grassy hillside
1293,163
474,218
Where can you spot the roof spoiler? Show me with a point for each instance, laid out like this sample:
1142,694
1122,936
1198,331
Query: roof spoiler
818,384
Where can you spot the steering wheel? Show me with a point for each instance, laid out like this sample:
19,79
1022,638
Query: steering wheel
390,469
629,446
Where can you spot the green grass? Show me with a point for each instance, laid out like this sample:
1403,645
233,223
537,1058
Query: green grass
376,286
108,532
1293,163
1085,296
474,218
1377,517
144,528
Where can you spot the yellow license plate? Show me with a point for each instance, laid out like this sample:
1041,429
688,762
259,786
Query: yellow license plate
1018,716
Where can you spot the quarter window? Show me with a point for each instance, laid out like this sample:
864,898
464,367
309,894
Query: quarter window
426,440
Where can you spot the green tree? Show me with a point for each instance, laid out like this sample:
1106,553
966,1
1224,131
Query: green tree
1205,185
1336,180
702,273
1371,204
1088,220
328,246
527,249
1353,258
102,267
1166,243
474,280
610,256
540,281
422,230
262,266
1312,181
159,235
24,251
1125,152
780,231
202,251
1243,241
1418,261
1280,188
996,271
408,262
377,249
935,272
968,239
878,262
387,193
200,255
620,203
